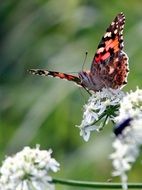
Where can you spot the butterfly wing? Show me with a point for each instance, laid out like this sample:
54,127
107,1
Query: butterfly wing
110,63
60,75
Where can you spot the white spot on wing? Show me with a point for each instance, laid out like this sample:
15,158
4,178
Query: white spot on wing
100,50
112,23
115,31
111,70
46,73
107,34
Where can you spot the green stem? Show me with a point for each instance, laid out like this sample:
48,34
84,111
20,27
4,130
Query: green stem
109,112
101,116
96,184
101,128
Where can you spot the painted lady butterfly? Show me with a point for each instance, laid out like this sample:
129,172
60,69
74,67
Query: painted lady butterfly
109,66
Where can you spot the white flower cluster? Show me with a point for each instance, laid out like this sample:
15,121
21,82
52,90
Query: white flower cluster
28,169
127,144
96,107
131,106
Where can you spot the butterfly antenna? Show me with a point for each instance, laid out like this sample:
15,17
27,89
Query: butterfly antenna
82,94
86,53
83,97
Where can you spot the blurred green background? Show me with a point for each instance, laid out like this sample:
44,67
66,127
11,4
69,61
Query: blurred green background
38,110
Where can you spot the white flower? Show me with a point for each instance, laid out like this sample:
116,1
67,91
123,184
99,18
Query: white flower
28,169
131,106
128,135
97,106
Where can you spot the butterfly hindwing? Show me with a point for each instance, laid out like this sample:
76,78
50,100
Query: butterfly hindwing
115,73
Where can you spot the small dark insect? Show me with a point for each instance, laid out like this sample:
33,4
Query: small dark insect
121,126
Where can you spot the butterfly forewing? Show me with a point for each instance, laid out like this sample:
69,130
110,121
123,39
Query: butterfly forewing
112,41
110,63
44,72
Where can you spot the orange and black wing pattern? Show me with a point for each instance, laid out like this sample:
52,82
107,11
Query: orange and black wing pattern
112,41
110,63
44,72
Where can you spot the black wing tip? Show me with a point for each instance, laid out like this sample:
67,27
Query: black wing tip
31,71
119,20
39,72
35,71
121,15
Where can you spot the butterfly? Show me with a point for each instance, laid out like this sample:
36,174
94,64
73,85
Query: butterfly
109,68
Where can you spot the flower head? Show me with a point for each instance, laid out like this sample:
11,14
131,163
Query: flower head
131,106
28,169
128,135
101,105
